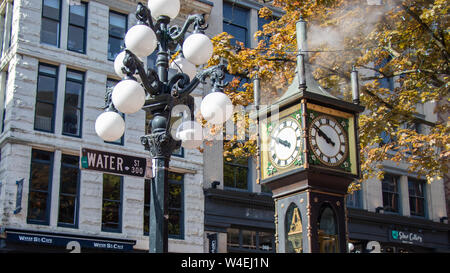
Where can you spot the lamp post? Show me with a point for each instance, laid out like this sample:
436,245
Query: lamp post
158,90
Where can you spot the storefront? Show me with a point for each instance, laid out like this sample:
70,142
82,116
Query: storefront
239,222
391,233
19,241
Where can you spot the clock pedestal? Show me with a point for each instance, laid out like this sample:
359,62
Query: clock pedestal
310,212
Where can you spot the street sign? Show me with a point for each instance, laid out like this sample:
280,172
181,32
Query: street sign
116,163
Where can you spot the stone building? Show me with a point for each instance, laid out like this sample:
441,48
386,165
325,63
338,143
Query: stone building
56,62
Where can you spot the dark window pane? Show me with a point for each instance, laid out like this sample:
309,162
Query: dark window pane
78,15
73,94
50,9
51,70
44,116
239,33
114,47
67,205
174,196
117,25
46,88
50,32
110,215
249,239
111,202
40,174
174,226
235,14
241,178
37,206
70,160
233,237
111,187
265,241
41,155
71,121
75,40
69,180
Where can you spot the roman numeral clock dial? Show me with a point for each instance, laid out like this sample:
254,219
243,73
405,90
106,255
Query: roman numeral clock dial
328,140
285,143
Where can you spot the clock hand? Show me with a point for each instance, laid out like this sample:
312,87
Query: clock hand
322,134
283,142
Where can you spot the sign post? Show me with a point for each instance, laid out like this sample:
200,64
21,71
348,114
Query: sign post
116,163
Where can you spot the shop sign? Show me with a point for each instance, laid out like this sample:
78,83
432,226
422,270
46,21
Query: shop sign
212,242
67,242
116,163
405,237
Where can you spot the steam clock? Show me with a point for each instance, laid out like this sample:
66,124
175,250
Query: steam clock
309,156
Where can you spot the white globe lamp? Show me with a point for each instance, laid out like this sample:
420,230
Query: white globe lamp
198,48
109,126
141,40
169,8
216,108
128,96
184,66
190,133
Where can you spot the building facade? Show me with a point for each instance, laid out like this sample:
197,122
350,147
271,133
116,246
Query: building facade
56,63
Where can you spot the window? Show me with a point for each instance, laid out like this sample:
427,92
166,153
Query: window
40,187
175,206
110,83
327,229
73,103
235,173
4,90
117,30
416,190
112,203
46,98
68,191
76,40
390,188
293,230
236,23
354,200
243,240
51,22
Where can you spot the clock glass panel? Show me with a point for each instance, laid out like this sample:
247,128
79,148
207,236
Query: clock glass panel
328,140
285,142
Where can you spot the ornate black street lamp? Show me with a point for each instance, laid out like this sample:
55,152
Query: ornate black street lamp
158,91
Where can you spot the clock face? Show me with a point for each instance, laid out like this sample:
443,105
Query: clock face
285,143
328,140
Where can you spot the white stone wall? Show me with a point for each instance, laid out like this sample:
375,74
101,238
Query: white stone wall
20,137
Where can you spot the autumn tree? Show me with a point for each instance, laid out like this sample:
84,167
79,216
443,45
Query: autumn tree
404,44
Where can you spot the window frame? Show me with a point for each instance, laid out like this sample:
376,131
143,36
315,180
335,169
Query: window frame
46,221
77,194
58,43
388,209
226,21
81,106
257,249
424,203
84,28
55,96
119,229
181,209
237,166
113,36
